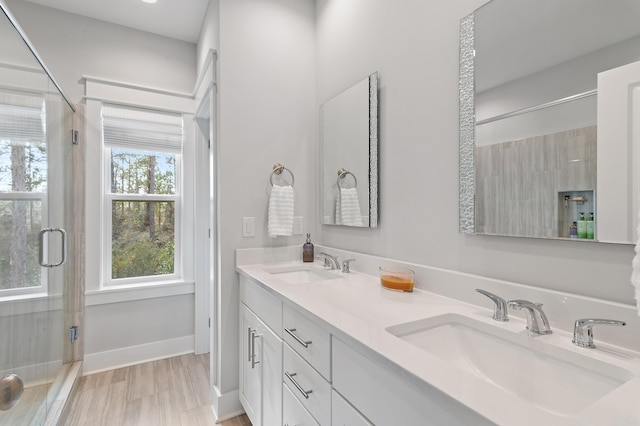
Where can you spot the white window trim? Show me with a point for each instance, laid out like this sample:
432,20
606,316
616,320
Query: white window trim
108,197
99,91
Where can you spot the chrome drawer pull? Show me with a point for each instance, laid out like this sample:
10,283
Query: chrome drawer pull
290,332
253,348
297,385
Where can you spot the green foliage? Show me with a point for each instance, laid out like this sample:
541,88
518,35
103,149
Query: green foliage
143,236
32,269
135,252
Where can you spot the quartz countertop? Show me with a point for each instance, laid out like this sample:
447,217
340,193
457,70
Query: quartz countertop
355,307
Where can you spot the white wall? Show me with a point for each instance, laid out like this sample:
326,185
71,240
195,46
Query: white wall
73,46
267,115
414,47
130,326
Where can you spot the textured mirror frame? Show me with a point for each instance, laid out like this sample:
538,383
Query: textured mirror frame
373,150
467,177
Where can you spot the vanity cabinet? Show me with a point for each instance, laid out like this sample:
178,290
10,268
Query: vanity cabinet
261,356
296,371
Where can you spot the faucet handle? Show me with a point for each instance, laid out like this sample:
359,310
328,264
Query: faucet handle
583,330
537,321
345,265
500,308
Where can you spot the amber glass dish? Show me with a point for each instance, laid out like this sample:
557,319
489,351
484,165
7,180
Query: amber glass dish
400,279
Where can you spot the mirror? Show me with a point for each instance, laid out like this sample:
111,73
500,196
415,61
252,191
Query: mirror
349,156
539,144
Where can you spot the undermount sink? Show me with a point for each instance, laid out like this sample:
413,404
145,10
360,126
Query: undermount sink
302,274
560,381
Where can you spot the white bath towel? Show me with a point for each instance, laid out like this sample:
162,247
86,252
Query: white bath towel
348,207
280,222
635,274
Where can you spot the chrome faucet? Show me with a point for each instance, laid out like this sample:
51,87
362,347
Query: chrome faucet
330,261
537,322
500,308
583,333
346,264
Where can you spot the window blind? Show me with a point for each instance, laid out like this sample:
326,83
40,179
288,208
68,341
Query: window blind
22,117
136,128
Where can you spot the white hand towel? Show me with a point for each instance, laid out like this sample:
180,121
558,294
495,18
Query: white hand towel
348,207
280,212
635,275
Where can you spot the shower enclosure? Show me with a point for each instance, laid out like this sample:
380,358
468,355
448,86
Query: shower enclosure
40,234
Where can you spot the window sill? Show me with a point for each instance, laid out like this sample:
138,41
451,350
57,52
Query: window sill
126,293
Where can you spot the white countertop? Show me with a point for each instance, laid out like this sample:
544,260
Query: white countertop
356,307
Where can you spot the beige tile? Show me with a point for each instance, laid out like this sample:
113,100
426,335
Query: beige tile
141,411
108,404
171,392
170,404
140,382
200,416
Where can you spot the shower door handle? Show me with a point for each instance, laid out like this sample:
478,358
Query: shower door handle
11,389
63,234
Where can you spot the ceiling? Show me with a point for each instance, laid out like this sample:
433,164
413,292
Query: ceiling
178,19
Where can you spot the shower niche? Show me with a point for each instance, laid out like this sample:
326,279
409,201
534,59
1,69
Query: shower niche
570,206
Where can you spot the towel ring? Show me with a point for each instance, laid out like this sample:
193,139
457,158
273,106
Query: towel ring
342,173
277,170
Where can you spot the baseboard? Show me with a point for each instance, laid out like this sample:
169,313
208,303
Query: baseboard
227,405
35,374
132,355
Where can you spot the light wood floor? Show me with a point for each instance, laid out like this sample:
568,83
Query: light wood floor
168,392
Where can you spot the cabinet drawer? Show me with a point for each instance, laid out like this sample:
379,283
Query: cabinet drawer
343,414
265,305
294,413
308,339
309,387
387,395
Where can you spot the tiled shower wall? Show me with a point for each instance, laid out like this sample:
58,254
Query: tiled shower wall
518,182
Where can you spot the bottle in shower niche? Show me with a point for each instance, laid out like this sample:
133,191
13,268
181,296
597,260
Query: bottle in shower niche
590,227
582,226
307,250
573,230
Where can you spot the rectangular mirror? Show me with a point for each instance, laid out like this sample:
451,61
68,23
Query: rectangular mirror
546,135
349,156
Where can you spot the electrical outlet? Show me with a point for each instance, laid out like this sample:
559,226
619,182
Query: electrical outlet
298,225
248,227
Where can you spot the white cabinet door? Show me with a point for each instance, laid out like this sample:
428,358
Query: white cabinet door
271,366
250,371
260,370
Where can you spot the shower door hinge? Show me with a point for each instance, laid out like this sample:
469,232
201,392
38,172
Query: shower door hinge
73,333
209,322
74,137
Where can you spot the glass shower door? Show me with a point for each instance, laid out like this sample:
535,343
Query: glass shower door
35,168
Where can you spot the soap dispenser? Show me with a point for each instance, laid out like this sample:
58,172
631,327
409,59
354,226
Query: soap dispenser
582,226
307,250
590,227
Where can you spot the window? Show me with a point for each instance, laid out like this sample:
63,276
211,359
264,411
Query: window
23,192
142,194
